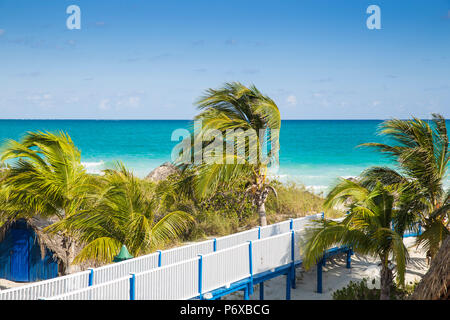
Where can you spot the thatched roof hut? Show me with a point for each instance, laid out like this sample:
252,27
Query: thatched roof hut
44,240
162,172
435,285
23,242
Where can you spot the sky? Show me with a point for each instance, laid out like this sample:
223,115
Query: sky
139,59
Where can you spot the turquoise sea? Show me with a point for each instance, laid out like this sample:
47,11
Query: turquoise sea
313,152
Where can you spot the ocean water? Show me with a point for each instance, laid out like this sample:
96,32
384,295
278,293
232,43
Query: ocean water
312,152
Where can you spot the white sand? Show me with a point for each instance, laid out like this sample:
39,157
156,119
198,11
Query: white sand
6,284
335,276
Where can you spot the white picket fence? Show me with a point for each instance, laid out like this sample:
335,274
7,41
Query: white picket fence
236,239
178,281
47,288
272,252
121,269
225,267
186,252
168,264
188,279
118,289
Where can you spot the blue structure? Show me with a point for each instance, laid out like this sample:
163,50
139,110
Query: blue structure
328,254
246,285
21,258
288,270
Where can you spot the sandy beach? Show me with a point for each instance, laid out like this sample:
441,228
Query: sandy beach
336,276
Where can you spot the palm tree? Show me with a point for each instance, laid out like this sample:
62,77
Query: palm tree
45,178
9,210
420,151
250,117
4,195
124,211
367,228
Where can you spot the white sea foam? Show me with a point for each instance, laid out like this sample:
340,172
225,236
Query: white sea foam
349,177
317,189
94,167
299,179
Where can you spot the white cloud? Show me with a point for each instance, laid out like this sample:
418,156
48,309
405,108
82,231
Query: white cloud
104,104
72,99
317,95
41,99
129,101
133,101
120,102
291,100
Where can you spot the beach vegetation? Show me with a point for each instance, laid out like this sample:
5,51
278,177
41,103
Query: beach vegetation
230,210
366,228
420,152
124,210
295,200
366,290
45,178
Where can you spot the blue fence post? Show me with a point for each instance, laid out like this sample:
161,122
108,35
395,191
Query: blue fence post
259,232
133,287
288,284
319,276
200,274
349,258
246,296
91,277
215,245
323,215
293,258
291,224
250,259
261,291
420,229
159,258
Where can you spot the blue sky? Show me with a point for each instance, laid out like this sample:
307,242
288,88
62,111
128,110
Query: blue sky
141,59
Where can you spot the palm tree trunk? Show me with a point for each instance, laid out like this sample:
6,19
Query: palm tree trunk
261,197
262,214
68,247
386,278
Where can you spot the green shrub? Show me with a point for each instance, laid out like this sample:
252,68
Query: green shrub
231,210
210,223
295,201
360,291
229,203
